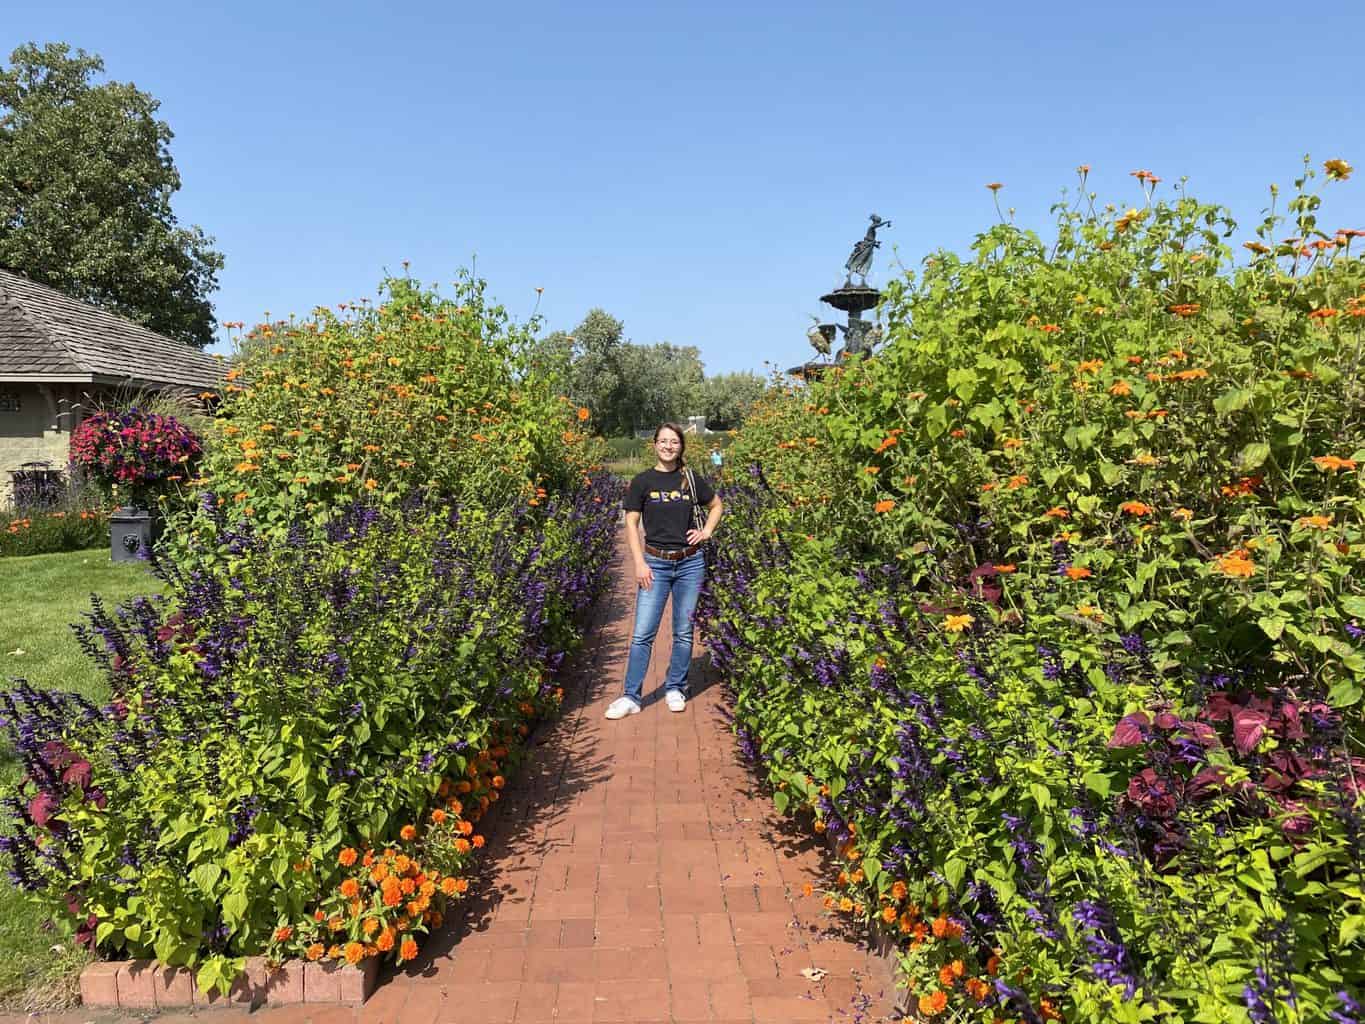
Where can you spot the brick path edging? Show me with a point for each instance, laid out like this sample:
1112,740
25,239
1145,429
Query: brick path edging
148,985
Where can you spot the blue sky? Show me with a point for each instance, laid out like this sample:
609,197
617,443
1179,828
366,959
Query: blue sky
700,170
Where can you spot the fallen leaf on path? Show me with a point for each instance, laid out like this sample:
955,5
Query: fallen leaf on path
813,973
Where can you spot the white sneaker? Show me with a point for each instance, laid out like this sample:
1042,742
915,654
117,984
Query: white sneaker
621,707
675,700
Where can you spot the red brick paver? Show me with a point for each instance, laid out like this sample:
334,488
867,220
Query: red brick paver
635,874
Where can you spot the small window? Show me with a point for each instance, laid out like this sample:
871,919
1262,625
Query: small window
9,401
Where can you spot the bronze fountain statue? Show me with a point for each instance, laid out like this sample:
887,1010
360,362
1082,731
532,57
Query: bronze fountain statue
854,299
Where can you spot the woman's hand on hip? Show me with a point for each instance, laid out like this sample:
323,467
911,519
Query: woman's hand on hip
697,536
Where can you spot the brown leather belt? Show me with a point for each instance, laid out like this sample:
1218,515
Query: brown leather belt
673,556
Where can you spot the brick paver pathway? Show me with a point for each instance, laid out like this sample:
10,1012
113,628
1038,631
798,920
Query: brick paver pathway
635,873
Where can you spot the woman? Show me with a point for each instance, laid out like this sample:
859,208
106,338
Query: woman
670,561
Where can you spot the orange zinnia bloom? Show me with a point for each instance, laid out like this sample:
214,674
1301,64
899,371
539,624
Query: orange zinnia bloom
385,941
1333,463
899,890
1077,572
408,833
315,951
350,888
355,952
1236,564
1313,522
1057,512
408,950
284,934
885,505
1135,508
583,414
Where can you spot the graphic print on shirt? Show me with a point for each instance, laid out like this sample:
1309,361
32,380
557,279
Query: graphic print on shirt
665,496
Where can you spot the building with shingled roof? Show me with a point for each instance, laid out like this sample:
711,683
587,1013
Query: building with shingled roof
60,359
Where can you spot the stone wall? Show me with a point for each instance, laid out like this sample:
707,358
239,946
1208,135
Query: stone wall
35,426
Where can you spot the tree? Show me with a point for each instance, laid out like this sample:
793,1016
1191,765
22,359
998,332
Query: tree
728,397
86,180
659,382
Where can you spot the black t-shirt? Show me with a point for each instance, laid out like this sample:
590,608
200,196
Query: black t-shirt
664,507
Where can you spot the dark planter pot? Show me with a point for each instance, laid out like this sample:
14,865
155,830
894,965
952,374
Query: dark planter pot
132,532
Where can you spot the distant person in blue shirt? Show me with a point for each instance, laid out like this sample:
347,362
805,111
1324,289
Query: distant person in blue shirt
716,458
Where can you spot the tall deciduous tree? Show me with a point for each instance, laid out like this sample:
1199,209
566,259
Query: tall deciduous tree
728,397
86,180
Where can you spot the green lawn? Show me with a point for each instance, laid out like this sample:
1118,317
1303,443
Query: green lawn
40,596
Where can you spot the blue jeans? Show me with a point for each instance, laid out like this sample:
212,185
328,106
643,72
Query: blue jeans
683,580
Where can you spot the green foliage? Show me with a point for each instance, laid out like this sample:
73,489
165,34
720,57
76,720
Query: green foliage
1071,574
728,397
45,533
346,657
633,387
423,391
86,180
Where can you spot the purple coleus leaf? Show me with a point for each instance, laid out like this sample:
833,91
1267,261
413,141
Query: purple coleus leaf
78,775
1248,726
1131,730
42,808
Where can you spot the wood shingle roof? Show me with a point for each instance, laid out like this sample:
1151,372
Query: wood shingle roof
47,335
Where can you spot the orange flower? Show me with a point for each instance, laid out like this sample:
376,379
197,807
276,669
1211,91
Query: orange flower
385,941
872,470
958,432
1337,169
885,505
462,846
1006,569
408,833
1017,481
957,623
889,914
1184,308
1077,572
845,904
478,842
314,952
1183,515
1090,366
370,926
945,976
350,889
1333,463
438,816
284,934
1057,512
996,186
932,1006
899,890
448,886
355,953
408,950
1313,522
1135,508
1120,388
583,414
1236,564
